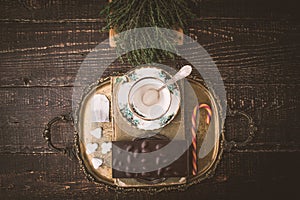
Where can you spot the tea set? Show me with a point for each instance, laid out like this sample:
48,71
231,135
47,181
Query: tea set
149,97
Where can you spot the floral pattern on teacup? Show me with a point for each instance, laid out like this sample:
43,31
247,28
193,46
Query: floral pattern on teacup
123,88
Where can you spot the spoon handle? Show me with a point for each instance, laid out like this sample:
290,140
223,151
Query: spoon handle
182,73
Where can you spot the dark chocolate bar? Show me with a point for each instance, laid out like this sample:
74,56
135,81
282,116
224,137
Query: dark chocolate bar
131,159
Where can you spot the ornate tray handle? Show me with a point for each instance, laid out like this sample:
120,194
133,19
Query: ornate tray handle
69,151
228,145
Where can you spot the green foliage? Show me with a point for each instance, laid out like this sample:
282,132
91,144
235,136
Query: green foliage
123,15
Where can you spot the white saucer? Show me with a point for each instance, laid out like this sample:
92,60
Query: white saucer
145,117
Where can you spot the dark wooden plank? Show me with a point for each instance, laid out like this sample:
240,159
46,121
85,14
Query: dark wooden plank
25,111
246,8
50,54
76,9
50,9
254,43
239,175
40,175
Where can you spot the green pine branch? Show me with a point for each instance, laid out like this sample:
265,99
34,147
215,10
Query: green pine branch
123,15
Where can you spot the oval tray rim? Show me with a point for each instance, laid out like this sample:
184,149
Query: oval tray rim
149,189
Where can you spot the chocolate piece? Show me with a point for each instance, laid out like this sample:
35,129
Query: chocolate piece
131,156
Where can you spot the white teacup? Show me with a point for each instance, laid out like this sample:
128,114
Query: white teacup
140,108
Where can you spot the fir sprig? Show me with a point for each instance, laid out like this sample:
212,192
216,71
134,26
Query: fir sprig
123,15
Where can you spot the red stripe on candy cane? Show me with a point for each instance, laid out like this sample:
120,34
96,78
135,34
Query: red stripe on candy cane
194,132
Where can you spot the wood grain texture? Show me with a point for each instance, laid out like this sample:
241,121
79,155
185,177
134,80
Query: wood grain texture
25,111
239,175
254,43
54,53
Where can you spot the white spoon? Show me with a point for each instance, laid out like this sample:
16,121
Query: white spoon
152,96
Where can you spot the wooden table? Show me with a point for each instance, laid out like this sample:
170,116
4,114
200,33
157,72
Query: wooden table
255,44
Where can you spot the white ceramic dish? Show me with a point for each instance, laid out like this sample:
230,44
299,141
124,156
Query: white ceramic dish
147,118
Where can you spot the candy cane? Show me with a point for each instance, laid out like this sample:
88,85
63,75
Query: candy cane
194,131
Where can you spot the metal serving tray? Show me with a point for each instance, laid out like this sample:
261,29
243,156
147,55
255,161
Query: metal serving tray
206,136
